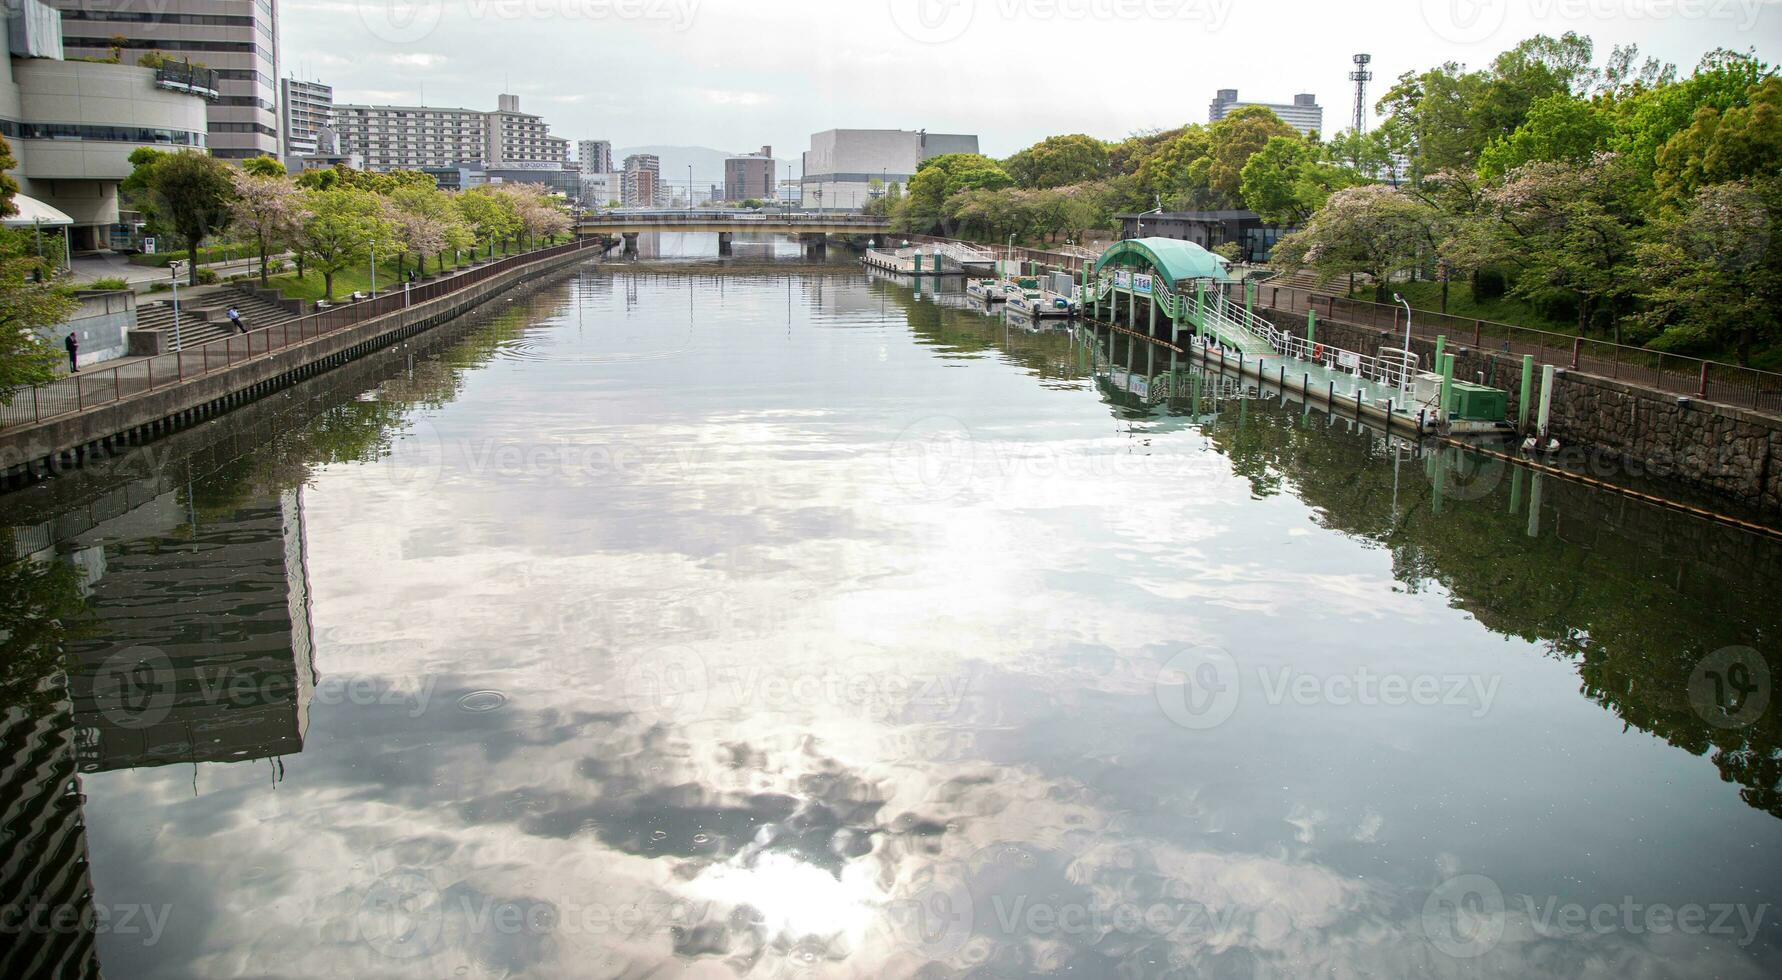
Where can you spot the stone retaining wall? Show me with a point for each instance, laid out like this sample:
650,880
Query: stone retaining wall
1730,452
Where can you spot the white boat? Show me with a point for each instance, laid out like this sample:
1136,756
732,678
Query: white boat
988,290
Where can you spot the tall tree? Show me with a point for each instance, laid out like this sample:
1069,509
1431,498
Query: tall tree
31,300
1370,229
266,207
1712,272
336,230
1059,160
1285,182
188,194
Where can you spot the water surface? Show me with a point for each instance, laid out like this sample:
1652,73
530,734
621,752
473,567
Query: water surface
766,619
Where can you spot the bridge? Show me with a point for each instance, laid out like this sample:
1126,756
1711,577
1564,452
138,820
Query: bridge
813,227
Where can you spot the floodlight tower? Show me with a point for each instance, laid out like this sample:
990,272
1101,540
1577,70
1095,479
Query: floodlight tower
1361,76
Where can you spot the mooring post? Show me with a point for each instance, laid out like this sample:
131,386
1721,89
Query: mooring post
1447,363
1527,393
1441,345
1546,415
1311,327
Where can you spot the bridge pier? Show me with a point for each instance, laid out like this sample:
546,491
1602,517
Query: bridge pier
816,245
725,240
630,242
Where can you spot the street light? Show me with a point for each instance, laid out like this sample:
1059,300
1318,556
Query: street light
1405,375
374,268
173,267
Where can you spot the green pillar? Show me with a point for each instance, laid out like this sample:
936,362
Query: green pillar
1131,307
1447,364
1200,311
1311,326
1527,393
1151,317
1441,345
1249,296
918,263
1175,325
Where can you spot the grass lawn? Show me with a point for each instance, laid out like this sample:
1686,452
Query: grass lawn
1428,296
356,278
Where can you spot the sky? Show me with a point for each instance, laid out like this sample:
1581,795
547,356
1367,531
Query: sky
737,74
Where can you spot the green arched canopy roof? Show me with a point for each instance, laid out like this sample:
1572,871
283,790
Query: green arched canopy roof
1170,258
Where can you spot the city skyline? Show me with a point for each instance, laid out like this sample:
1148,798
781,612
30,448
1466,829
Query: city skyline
805,72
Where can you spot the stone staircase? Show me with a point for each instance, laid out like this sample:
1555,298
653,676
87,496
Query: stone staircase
207,320
1307,280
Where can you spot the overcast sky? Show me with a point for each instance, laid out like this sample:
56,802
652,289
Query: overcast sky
735,74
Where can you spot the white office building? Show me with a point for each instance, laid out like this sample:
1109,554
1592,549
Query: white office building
1303,113
238,39
842,165
74,124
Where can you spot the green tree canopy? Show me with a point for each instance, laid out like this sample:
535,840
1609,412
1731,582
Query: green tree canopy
1059,160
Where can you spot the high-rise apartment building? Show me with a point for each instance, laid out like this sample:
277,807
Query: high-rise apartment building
239,39
642,181
520,137
1304,114
304,109
410,137
595,156
749,176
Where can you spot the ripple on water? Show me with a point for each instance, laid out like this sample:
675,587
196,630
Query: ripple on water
481,701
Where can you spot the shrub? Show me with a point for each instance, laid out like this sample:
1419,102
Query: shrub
1488,284
109,282
207,276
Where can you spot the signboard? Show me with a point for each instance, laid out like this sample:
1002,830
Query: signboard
1349,359
148,245
1123,278
1141,284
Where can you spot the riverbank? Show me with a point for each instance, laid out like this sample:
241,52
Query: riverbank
240,369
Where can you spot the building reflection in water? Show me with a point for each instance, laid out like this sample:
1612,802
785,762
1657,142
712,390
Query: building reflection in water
194,646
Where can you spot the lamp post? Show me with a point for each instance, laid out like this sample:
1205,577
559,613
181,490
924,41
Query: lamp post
374,268
689,187
173,267
1405,375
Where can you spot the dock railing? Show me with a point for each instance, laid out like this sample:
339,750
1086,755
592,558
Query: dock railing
91,388
1716,381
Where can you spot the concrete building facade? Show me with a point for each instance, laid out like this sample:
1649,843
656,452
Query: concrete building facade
750,175
1303,113
410,137
238,39
74,124
304,110
842,165
641,181
595,156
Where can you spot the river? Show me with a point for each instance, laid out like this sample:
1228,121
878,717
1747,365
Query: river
758,617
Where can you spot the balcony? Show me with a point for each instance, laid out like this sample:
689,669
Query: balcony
183,76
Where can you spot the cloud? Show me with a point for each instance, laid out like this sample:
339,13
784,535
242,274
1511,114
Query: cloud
417,59
718,96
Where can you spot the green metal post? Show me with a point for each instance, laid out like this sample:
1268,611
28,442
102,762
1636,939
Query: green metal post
1311,326
1527,393
1200,311
1249,297
1151,317
1441,345
1447,362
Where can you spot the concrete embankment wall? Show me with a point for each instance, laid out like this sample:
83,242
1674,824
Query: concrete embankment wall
29,452
1727,451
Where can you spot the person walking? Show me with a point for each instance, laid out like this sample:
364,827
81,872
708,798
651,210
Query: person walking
234,316
71,344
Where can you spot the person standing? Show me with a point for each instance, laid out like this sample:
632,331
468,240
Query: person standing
234,316
71,344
